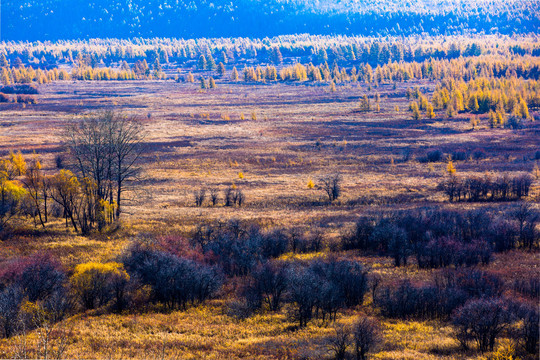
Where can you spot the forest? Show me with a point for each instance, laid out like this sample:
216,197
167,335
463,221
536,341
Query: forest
61,20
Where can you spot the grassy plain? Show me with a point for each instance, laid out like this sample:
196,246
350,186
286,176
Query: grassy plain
290,134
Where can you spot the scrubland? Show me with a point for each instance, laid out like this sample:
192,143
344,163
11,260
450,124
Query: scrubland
275,142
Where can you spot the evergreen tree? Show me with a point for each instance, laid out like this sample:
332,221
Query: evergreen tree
224,59
221,69
212,83
277,58
3,61
202,63
364,104
234,74
430,114
203,83
492,119
415,110
210,63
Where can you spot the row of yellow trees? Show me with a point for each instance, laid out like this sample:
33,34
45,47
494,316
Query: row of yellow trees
463,69
25,190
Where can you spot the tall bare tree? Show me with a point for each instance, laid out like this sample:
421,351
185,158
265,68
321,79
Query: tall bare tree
106,148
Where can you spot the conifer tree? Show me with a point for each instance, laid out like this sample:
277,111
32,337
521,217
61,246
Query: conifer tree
210,63
3,61
224,58
212,83
430,114
202,63
221,69
234,74
522,109
276,56
364,103
492,120
415,110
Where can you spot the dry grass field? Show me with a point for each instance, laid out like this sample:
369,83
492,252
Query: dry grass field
269,141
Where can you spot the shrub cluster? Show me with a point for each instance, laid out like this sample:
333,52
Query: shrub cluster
26,99
175,281
37,280
29,89
231,197
439,238
486,188
472,300
238,247
318,289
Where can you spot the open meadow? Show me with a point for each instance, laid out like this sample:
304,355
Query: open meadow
274,142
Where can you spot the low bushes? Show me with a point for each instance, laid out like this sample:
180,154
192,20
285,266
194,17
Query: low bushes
26,99
440,238
37,281
97,284
449,290
175,282
37,276
30,89
487,188
318,289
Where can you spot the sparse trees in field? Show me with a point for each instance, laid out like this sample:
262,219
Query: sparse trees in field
331,185
96,284
364,104
234,74
366,335
481,321
106,148
199,196
413,107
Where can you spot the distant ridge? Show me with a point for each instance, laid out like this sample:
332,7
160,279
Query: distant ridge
77,19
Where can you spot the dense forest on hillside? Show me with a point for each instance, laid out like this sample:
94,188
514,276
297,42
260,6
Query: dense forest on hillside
63,19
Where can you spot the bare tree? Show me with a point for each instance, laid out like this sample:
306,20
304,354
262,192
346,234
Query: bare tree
366,334
214,196
106,148
331,184
199,196
339,342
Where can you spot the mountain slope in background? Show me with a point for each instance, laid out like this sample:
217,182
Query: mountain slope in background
71,19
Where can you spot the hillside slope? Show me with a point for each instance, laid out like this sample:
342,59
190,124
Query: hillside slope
63,19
